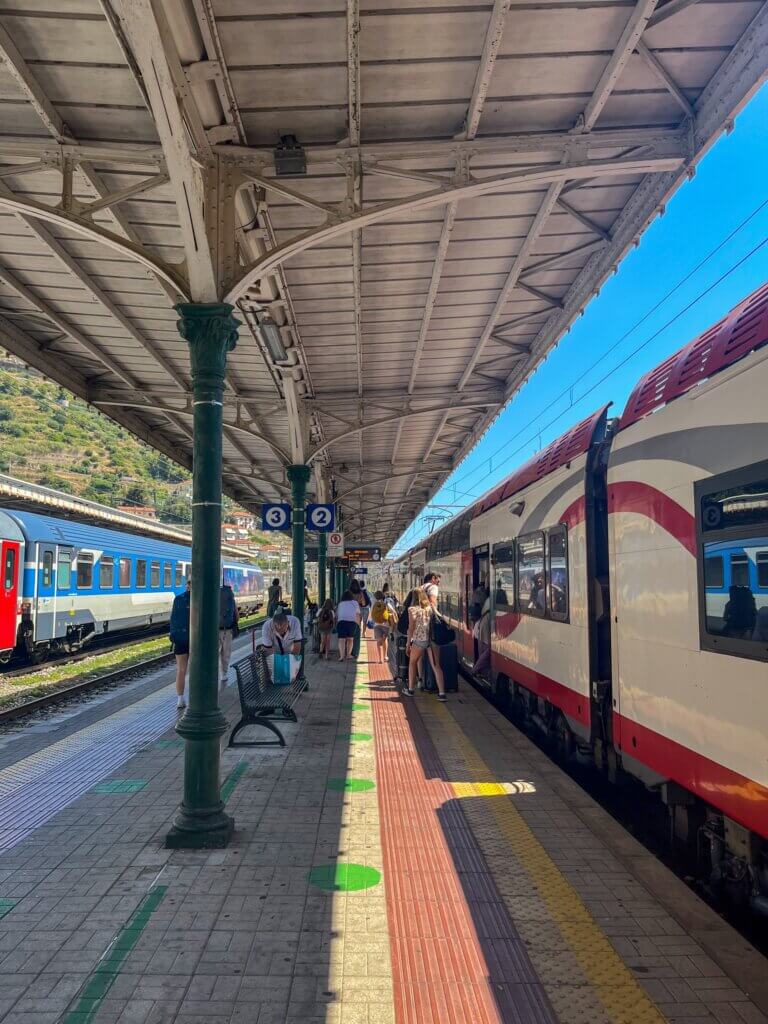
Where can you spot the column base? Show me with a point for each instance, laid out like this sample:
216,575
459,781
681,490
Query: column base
210,835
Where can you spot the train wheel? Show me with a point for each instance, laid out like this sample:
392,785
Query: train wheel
39,654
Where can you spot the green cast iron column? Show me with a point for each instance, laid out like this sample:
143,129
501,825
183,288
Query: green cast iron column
298,475
211,331
332,580
322,542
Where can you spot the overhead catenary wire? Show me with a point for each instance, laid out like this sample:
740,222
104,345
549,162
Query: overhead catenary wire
568,389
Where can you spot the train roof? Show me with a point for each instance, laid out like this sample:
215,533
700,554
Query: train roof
48,529
574,442
743,330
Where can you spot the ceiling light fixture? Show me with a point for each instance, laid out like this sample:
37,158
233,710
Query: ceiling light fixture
273,340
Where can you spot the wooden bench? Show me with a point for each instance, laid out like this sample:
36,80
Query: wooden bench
263,703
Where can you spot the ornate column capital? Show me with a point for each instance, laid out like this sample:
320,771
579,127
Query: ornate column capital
211,331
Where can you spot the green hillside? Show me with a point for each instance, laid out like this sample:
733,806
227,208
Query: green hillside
49,437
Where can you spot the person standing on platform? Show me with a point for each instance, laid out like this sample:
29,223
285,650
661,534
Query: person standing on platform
357,595
347,624
325,623
228,629
419,622
274,596
380,616
179,632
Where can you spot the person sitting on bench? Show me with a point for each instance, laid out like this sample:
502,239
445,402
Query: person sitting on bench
282,634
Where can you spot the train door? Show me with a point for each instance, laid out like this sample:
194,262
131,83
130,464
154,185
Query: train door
10,554
467,643
480,610
45,593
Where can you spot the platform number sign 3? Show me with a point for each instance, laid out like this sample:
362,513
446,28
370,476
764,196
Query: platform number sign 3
275,517
321,518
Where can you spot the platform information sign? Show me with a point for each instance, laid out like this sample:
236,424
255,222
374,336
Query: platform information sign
321,518
363,553
275,516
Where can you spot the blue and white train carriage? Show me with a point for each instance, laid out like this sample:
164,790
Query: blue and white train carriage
64,582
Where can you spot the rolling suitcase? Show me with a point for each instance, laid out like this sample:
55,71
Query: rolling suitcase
449,662
401,661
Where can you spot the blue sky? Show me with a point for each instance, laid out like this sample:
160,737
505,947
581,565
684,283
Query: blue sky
728,188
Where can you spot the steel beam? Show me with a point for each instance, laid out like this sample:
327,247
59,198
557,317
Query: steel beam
669,8
512,279
633,30
70,330
526,177
20,71
371,424
38,211
658,69
559,144
181,134
491,45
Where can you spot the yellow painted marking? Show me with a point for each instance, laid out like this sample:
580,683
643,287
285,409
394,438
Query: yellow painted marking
622,996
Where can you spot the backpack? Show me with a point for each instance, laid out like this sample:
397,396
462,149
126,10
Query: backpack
402,622
325,620
379,613
440,632
227,608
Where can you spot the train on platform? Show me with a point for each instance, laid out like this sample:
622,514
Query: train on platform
613,594
65,583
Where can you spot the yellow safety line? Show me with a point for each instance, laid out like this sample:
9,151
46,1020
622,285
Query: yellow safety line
618,990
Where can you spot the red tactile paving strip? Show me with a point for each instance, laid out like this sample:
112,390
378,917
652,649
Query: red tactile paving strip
456,956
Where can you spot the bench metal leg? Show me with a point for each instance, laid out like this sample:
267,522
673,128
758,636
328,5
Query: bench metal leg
280,742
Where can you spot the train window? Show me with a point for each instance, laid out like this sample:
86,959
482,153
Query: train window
503,589
714,572
125,573
557,573
84,570
179,574
141,573
739,570
107,572
167,575
47,568
531,593
9,569
732,519
154,574
64,570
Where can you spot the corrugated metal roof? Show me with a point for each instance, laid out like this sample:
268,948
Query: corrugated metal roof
475,169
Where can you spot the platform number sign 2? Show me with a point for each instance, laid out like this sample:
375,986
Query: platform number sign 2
321,518
275,516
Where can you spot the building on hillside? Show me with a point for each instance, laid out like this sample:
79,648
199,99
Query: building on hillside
145,511
244,521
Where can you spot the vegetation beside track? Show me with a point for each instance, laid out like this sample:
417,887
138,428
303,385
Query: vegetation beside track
59,675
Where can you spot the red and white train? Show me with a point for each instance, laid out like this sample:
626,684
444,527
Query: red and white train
614,591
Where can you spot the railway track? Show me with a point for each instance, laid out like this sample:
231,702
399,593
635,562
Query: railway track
78,689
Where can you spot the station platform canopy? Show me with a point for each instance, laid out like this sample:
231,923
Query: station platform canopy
407,202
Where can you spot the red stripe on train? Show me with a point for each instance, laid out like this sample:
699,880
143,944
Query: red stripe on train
644,500
574,705
742,799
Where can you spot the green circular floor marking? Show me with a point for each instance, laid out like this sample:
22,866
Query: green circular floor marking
343,877
356,707
351,785
357,737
